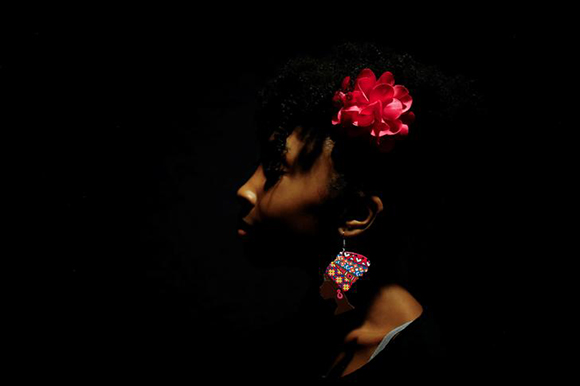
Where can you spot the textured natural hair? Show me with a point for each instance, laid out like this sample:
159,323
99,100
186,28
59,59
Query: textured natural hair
300,95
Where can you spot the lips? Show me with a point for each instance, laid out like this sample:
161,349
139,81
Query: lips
244,228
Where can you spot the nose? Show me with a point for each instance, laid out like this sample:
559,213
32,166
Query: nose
248,193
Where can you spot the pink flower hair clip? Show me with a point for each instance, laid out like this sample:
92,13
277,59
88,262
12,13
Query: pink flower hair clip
376,107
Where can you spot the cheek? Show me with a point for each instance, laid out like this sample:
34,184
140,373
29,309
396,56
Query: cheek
293,202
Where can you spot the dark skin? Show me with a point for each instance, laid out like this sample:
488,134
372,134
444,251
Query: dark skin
290,207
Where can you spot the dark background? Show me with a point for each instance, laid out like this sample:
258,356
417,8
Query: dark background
139,134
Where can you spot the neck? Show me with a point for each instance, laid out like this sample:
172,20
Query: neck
391,306
378,310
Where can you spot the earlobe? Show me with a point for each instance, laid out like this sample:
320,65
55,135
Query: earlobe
354,227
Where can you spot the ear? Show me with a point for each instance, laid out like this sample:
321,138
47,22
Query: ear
354,227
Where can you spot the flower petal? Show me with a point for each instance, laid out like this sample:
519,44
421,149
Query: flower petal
381,92
400,91
380,128
395,127
345,83
369,114
338,99
387,78
336,119
393,110
376,108
350,115
402,94
365,85
353,108
358,98
366,119
367,73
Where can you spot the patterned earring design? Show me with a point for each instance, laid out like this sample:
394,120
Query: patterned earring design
340,276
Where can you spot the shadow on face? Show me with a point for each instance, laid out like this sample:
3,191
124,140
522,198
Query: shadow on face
287,212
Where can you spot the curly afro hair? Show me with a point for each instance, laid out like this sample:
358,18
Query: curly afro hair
300,95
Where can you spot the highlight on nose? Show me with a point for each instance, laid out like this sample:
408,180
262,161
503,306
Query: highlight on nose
246,195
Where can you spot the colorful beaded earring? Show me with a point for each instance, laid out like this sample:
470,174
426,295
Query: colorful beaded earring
341,274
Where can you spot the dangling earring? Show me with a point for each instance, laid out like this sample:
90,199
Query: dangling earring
340,276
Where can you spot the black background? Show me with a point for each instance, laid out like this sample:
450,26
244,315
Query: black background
138,134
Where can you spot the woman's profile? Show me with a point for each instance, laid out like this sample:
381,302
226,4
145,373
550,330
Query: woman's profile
335,193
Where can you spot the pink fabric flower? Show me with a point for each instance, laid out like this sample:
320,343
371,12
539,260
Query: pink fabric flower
376,107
